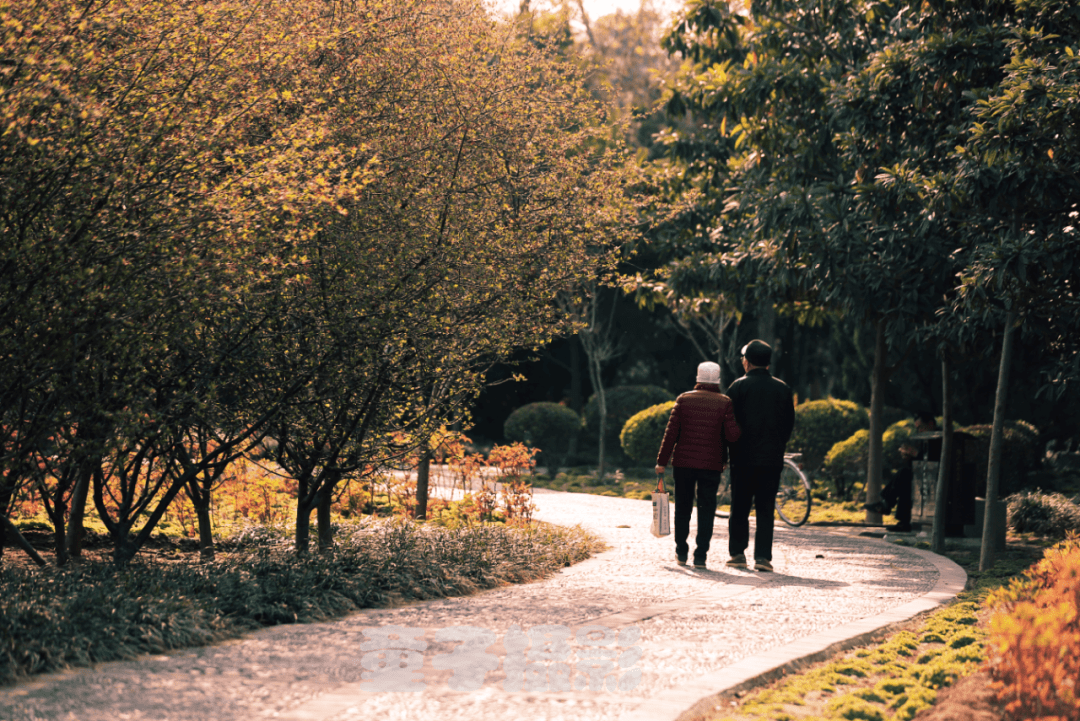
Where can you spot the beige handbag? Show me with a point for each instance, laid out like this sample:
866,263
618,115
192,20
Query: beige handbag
661,510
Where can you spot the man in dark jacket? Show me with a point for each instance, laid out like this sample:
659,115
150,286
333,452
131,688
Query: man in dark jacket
765,410
701,424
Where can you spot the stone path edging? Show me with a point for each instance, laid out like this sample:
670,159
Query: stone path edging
702,694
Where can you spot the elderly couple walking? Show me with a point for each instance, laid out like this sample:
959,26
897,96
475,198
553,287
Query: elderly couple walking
753,422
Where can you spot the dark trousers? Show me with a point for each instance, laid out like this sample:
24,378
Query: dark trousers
900,493
754,486
688,483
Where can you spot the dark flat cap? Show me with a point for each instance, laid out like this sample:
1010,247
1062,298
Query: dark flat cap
758,352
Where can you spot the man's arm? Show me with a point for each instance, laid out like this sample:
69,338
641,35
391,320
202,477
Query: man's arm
732,431
788,416
735,394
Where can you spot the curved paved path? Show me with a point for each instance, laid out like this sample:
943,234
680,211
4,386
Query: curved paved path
632,636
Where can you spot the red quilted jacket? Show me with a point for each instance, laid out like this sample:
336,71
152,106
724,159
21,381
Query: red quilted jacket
694,429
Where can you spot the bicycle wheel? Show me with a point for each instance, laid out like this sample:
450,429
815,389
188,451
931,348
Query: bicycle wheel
793,496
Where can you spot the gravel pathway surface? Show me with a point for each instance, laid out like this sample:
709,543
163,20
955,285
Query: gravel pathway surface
627,634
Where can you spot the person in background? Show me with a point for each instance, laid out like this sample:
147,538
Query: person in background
900,491
699,429
765,410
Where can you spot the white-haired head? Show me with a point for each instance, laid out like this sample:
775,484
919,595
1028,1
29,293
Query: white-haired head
708,372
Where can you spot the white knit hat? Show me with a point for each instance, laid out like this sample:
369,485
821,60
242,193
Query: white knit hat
708,372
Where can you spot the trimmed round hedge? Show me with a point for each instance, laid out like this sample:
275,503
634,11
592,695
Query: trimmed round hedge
622,402
644,432
1021,452
847,460
819,425
551,427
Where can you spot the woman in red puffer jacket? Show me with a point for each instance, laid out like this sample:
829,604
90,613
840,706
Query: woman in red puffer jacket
701,426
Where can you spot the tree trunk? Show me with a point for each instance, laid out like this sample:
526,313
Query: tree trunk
7,490
877,407
423,473
124,547
303,528
59,531
937,541
200,501
577,402
7,528
600,457
326,531
601,401
78,512
206,531
993,475
766,325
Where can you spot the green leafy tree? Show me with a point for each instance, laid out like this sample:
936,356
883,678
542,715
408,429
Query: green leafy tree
322,228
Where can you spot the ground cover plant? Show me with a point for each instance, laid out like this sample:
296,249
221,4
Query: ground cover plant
1047,514
257,491
901,676
1035,637
96,611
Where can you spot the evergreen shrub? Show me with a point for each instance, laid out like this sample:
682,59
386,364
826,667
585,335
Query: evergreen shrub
551,427
1047,514
644,432
847,460
622,402
1021,452
819,425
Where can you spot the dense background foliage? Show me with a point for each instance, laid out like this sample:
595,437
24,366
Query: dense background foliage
292,231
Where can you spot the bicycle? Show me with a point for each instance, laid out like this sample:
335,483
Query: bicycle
792,497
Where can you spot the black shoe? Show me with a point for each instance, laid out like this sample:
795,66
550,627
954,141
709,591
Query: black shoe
681,560
699,564
899,528
760,564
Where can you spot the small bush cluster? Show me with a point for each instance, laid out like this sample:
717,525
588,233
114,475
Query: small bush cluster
77,615
1035,638
1045,514
1021,453
622,402
643,433
819,425
551,427
846,462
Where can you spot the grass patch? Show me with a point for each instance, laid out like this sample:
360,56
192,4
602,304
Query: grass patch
640,482
636,483
895,679
92,612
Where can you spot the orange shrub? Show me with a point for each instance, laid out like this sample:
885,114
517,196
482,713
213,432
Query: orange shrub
1034,639
510,463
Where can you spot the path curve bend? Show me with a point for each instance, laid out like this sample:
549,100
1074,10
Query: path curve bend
626,635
